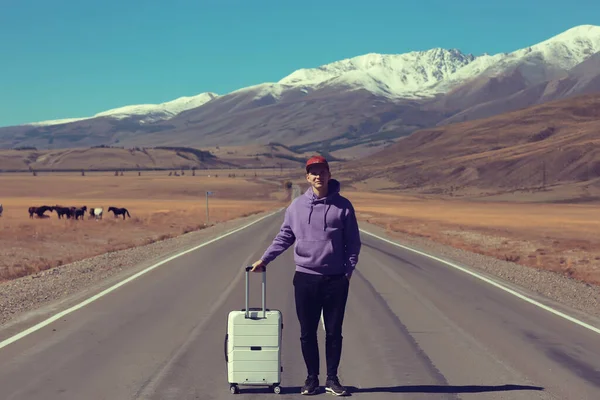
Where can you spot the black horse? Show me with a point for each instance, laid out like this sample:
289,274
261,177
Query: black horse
39,211
119,211
64,211
80,212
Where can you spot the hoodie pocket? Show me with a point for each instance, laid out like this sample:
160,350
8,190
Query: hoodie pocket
315,253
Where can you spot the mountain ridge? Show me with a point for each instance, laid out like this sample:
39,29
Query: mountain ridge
421,73
353,107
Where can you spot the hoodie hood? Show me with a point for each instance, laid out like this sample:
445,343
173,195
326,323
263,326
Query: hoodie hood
333,190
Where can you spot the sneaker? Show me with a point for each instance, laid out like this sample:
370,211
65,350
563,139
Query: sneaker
310,385
333,386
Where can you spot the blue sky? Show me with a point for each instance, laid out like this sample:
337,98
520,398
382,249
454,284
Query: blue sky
64,58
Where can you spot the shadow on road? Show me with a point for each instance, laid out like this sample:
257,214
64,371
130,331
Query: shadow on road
442,389
409,389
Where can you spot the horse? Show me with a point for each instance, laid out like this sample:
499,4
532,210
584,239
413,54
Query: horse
119,211
66,211
96,212
39,211
80,212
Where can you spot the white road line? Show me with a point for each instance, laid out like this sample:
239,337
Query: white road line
61,314
493,283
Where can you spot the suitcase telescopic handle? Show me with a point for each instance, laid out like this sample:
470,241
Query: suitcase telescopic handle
264,292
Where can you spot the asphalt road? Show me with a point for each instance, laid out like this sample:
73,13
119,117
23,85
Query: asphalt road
415,329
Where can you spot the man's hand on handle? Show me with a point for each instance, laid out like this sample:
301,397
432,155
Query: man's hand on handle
258,266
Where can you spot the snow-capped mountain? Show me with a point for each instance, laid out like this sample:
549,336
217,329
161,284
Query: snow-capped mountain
566,49
426,73
543,61
386,74
147,112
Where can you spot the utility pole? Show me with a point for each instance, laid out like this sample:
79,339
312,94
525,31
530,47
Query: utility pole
587,167
207,219
543,174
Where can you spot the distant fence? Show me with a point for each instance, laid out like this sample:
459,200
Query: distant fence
184,168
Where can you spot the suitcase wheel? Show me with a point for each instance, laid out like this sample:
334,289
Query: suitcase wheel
234,389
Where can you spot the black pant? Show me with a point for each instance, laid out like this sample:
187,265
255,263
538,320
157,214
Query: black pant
316,293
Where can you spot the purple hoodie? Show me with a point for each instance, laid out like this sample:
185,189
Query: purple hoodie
325,231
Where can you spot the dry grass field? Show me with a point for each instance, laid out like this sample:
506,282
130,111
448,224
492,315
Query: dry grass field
557,237
161,206
546,235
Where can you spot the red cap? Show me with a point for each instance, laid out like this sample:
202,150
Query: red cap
316,160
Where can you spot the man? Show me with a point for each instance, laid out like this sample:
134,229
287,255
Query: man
323,225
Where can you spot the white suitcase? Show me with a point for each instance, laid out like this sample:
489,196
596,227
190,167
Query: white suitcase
253,345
